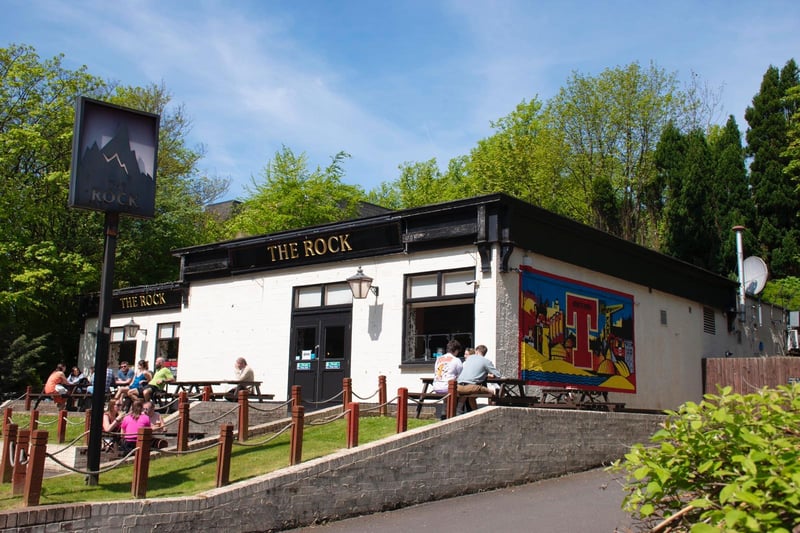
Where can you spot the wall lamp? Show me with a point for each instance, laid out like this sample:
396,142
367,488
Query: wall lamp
132,328
361,285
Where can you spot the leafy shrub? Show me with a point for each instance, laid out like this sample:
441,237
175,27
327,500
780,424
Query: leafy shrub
729,463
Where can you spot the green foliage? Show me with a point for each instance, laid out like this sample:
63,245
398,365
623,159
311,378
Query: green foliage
290,196
784,292
609,126
21,363
774,194
728,464
50,254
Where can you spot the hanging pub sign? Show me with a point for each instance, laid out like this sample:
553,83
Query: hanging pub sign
114,151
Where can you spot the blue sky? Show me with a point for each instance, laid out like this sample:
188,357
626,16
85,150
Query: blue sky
390,81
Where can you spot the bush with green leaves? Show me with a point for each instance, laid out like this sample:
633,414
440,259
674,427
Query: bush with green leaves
729,463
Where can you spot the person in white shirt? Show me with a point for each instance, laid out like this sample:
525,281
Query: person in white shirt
244,373
446,367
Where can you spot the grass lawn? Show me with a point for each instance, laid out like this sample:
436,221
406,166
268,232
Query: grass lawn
194,472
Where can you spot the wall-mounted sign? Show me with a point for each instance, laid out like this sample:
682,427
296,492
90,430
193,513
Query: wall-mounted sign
114,154
333,365
303,366
316,248
154,298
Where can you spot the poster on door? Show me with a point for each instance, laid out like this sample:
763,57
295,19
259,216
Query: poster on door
573,334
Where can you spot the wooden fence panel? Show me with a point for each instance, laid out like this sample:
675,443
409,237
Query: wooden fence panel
749,374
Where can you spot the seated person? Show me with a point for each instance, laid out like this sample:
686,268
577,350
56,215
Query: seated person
124,376
130,426
109,381
77,380
242,372
474,373
57,386
447,367
111,421
157,423
161,377
141,378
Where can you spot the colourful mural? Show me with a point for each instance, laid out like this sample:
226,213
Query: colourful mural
575,334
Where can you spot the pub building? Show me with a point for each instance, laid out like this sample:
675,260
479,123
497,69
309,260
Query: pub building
557,303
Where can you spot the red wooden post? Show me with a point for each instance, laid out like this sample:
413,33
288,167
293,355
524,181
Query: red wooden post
296,441
9,438
452,398
183,397
87,425
347,392
402,409
382,395
62,426
224,454
20,455
141,463
28,392
8,412
297,397
33,479
244,416
183,423
34,420
207,393
352,424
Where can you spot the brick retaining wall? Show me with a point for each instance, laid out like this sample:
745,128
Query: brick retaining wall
489,448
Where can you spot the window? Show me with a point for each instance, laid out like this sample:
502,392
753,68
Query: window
439,307
322,295
121,348
168,342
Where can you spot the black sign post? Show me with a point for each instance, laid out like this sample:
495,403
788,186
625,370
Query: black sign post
114,154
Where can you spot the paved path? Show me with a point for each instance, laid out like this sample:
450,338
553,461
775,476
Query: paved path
587,502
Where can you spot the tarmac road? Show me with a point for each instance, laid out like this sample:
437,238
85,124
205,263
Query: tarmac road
586,502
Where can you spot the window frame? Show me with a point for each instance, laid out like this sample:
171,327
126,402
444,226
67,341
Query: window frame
444,284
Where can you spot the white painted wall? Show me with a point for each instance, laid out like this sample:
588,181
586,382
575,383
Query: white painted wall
250,316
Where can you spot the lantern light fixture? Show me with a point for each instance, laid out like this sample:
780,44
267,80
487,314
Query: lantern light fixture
132,329
361,285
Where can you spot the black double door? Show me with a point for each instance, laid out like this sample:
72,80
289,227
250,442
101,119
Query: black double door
320,356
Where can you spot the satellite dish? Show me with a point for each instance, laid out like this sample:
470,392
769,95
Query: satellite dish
755,275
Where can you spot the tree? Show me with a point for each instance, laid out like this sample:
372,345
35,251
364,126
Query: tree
775,196
49,254
181,192
685,166
610,125
290,196
45,262
524,158
730,191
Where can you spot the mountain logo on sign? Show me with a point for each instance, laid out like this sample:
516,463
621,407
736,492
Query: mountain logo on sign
115,161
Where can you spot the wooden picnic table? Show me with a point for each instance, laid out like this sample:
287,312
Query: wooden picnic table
198,386
574,398
512,393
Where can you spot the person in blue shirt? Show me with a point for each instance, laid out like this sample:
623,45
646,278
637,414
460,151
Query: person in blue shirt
474,372
124,375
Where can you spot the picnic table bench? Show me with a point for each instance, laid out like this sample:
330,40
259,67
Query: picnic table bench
62,400
430,397
572,398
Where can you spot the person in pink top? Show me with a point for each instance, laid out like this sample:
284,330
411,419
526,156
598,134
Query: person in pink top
131,424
